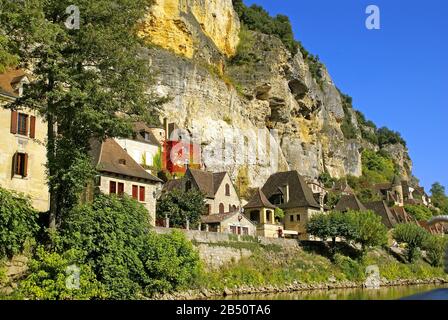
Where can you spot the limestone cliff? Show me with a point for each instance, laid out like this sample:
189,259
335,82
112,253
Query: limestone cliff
211,96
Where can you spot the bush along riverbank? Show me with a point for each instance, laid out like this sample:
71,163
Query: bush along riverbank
308,268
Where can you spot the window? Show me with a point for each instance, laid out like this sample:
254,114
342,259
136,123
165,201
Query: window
19,124
22,127
268,216
188,185
135,192
20,164
120,188
298,217
221,208
291,218
112,187
122,161
227,190
142,194
245,231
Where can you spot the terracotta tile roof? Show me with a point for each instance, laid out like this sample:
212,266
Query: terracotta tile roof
401,215
382,186
259,200
300,194
350,202
381,209
8,79
107,156
140,127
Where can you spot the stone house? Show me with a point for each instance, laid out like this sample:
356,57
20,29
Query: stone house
232,222
290,192
120,174
220,194
381,208
22,145
262,214
143,147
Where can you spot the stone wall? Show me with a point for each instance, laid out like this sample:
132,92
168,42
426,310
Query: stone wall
218,249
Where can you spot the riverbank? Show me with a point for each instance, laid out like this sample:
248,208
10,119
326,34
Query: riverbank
201,294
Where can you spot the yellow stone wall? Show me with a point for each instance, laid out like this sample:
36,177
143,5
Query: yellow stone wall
35,184
299,226
165,25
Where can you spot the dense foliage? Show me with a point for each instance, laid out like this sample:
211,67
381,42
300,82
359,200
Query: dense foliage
256,18
180,206
127,258
82,80
376,167
362,227
419,212
387,136
7,60
18,222
439,197
413,236
54,276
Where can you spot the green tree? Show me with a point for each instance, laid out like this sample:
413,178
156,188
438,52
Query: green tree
435,246
179,206
438,196
18,222
49,273
279,214
7,60
413,236
369,231
387,136
87,83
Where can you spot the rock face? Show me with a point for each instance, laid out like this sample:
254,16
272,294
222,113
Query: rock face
228,107
183,26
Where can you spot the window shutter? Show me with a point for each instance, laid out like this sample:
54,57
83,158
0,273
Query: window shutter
14,165
120,188
135,192
14,115
142,194
112,187
25,166
32,127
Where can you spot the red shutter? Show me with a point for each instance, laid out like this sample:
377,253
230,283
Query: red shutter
135,192
14,115
112,187
32,127
25,165
120,189
142,194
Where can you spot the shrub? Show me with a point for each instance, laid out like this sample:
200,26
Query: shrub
18,222
326,179
124,254
376,167
413,236
112,231
421,213
50,277
353,270
435,247
170,262
180,206
387,136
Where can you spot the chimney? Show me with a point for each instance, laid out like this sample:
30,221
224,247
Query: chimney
286,193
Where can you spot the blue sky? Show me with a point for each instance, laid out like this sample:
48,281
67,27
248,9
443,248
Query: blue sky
396,75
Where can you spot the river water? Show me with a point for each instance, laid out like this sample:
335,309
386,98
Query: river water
385,293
